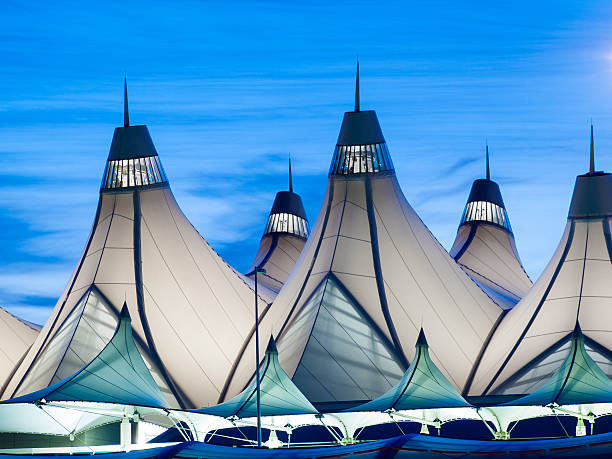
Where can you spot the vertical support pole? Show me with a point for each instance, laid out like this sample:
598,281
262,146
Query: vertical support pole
125,433
257,362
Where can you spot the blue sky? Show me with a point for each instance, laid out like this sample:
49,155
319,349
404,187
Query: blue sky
229,88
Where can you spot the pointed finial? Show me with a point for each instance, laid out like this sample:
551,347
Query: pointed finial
357,89
577,330
271,346
290,177
125,314
421,341
488,172
592,156
126,114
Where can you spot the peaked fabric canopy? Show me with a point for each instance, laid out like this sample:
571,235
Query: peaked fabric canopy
279,396
576,285
192,312
579,380
283,239
388,270
422,386
118,374
484,246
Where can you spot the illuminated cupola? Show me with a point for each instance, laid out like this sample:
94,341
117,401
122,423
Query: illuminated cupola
369,276
361,147
283,240
484,246
534,338
133,160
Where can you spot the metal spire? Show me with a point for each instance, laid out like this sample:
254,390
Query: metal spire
592,165
488,172
126,114
357,89
290,178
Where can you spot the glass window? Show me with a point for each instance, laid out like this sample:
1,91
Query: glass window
287,223
360,159
133,172
487,212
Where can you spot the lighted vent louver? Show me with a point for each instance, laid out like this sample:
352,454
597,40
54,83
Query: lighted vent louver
361,159
287,223
124,173
484,211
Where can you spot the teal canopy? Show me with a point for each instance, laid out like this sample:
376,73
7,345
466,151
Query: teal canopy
279,395
422,386
118,374
579,380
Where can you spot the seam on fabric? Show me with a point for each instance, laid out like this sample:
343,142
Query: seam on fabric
568,373
584,260
570,238
467,242
48,339
180,398
390,348
379,275
307,276
536,360
484,347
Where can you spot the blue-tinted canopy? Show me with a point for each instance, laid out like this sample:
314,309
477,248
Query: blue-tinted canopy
579,380
422,386
118,374
279,395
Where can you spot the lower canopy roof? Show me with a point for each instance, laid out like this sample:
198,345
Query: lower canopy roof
278,394
118,374
579,380
422,386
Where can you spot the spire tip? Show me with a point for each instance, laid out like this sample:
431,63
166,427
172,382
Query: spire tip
421,338
487,155
290,176
592,153
126,114
357,89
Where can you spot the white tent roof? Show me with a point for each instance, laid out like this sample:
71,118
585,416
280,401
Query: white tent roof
283,239
277,255
534,338
484,246
370,275
16,337
192,313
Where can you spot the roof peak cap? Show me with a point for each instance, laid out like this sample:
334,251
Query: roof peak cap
421,340
290,176
271,348
487,156
126,113
357,88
